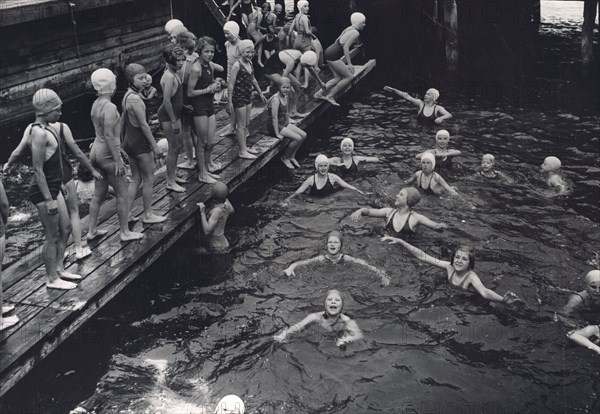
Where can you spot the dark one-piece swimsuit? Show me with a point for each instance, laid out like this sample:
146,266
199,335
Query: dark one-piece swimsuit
324,191
53,171
427,190
404,231
461,287
426,120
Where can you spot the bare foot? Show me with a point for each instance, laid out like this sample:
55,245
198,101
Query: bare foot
295,162
153,219
293,121
131,235
287,163
63,274
298,115
331,101
227,133
7,308
247,156
206,179
180,180
252,150
215,176
82,252
98,233
188,165
6,323
133,219
60,284
176,187
319,94
214,166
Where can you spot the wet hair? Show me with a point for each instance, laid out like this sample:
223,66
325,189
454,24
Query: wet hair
469,252
132,70
205,41
83,174
185,41
329,292
336,234
172,52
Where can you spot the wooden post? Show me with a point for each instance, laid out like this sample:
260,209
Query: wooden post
589,17
535,13
451,23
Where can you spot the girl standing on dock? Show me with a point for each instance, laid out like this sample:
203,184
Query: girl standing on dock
231,30
201,87
335,53
8,321
106,156
139,144
241,83
279,125
430,113
169,112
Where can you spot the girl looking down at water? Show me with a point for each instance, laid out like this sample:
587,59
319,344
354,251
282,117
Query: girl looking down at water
430,113
443,155
334,255
427,180
322,183
401,221
348,162
332,320
459,269
582,337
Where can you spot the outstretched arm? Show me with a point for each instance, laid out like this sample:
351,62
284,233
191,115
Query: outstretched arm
291,268
412,179
313,317
509,297
582,337
572,304
445,185
418,253
336,179
371,212
305,185
416,102
385,280
422,220
360,158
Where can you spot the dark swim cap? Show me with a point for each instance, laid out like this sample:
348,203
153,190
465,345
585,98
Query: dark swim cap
220,191
412,196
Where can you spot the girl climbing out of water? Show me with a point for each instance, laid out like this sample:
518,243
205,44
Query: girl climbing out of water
322,183
427,180
279,125
348,162
430,113
583,337
213,223
459,270
401,221
332,320
590,297
334,255
443,155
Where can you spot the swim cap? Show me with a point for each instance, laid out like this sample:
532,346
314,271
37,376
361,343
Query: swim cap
132,70
172,24
309,58
357,18
412,196
442,132
104,81
347,141
553,162
429,156
163,145
321,159
301,4
435,93
230,404
45,101
220,191
177,30
489,156
592,276
338,235
246,44
232,27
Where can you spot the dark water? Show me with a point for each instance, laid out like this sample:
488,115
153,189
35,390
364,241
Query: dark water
193,329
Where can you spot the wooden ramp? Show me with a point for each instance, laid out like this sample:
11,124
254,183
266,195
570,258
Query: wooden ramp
48,317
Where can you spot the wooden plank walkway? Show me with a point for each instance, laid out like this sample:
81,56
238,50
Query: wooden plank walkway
48,317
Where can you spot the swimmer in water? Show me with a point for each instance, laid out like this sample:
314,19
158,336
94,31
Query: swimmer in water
334,255
348,162
430,113
332,320
322,183
427,180
443,155
590,297
487,167
551,167
214,225
230,404
583,337
401,221
459,270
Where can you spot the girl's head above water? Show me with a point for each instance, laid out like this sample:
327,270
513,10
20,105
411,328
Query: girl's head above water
230,404
430,157
435,94
346,142
321,160
334,242
334,303
462,250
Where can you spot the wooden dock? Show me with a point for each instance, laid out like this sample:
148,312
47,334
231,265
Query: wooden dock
48,317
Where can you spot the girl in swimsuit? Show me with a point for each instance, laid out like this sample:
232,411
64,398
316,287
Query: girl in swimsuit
348,162
428,180
331,320
589,297
342,72
279,124
231,31
5,321
583,337
401,221
459,270
443,155
334,255
241,82
322,183
430,113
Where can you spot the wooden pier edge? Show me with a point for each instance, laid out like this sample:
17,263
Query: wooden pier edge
56,315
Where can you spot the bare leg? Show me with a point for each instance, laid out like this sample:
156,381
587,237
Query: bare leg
211,128
134,185
340,69
146,165
100,190
302,134
232,125
188,143
202,131
5,322
120,185
172,154
240,133
65,228
73,207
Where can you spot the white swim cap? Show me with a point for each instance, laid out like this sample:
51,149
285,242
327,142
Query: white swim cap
321,159
45,101
553,162
592,276
246,44
301,4
429,156
347,141
309,58
232,27
434,92
104,81
357,18
442,132
172,24
230,404
163,145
